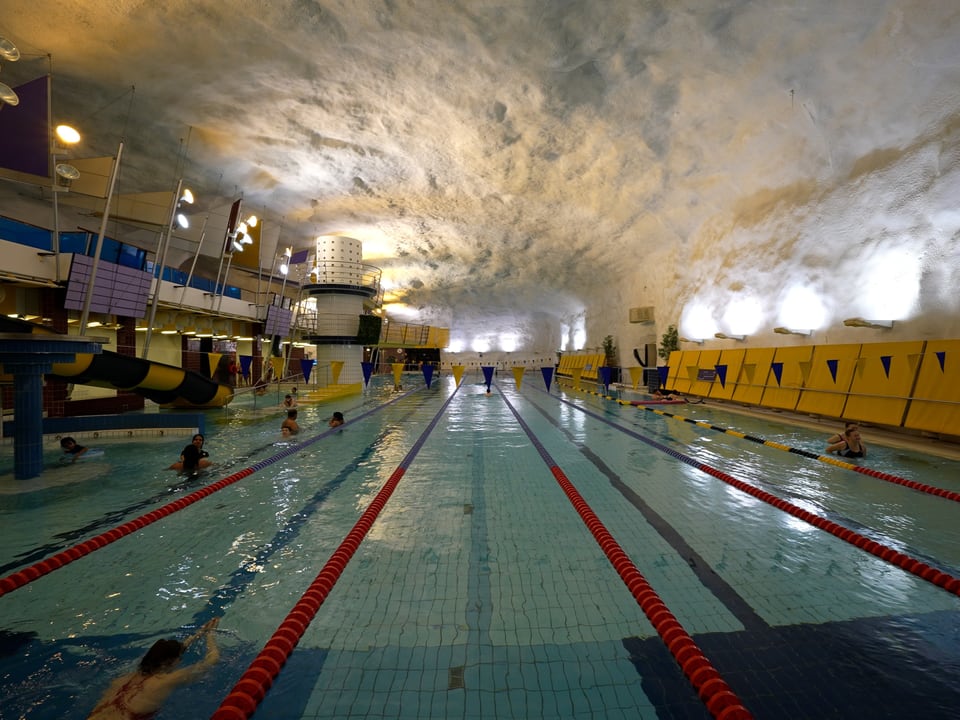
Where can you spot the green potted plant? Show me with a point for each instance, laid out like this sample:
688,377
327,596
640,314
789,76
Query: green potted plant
668,343
610,358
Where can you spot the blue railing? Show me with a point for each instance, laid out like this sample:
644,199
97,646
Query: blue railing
112,251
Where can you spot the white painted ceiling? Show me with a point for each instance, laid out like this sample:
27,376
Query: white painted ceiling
534,167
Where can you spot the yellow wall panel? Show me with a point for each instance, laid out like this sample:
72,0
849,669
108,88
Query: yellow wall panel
732,360
882,382
595,361
822,394
685,372
707,361
752,378
796,368
936,397
673,366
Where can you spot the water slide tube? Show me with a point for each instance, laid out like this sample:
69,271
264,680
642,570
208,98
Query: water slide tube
164,384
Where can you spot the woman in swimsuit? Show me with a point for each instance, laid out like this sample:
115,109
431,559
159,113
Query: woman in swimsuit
139,695
851,446
838,437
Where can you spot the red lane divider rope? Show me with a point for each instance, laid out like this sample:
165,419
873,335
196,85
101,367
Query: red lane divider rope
252,687
47,565
712,689
39,569
829,459
720,700
886,553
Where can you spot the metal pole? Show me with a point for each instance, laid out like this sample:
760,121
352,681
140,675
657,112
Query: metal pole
193,265
162,245
225,274
96,248
56,221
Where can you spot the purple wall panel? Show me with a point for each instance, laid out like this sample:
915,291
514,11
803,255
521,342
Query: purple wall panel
118,290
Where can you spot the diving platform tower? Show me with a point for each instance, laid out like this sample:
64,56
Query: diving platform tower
345,292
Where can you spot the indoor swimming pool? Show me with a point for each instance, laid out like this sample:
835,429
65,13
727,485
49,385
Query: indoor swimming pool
488,583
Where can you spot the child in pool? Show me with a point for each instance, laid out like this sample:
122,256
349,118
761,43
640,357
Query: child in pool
70,447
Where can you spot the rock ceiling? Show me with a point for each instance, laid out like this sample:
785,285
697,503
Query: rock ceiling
531,167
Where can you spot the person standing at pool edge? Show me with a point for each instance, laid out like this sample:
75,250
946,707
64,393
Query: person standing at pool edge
139,695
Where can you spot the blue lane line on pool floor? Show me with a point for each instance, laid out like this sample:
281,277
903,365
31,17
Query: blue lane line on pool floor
786,494
241,578
721,589
113,518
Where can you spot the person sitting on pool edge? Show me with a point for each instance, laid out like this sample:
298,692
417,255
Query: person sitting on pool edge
337,420
139,695
70,447
193,457
851,446
289,425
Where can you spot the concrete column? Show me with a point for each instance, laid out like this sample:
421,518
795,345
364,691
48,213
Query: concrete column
28,419
28,357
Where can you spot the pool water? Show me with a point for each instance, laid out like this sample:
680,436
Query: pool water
479,592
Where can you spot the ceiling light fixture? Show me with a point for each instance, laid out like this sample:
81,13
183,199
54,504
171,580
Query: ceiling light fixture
67,134
697,341
8,51
791,331
725,336
860,322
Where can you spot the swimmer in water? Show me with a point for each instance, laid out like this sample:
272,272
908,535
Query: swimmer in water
139,695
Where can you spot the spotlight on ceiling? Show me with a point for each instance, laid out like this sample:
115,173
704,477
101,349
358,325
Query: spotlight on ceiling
8,96
860,322
791,331
725,336
698,341
186,198
67,134
8,51
66,174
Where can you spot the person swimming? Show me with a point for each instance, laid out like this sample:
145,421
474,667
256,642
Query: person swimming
851,446
139,695
838,437
290,426
337,420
